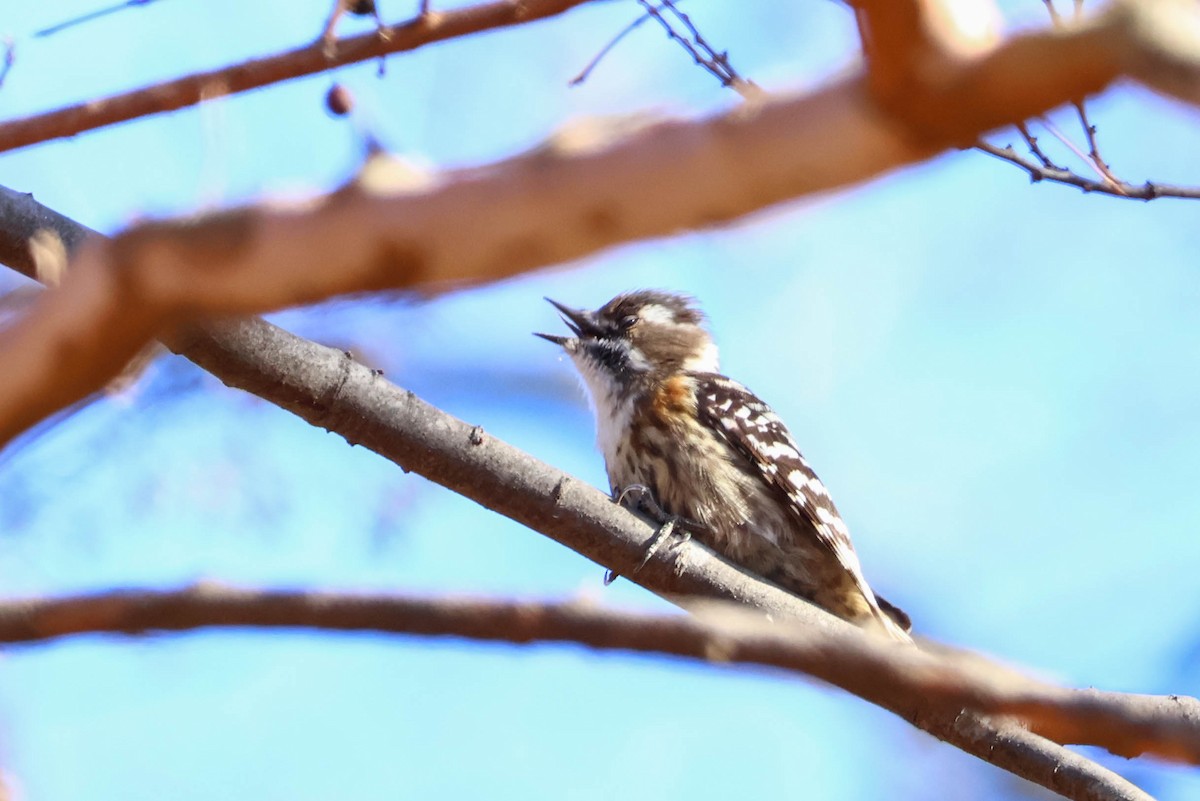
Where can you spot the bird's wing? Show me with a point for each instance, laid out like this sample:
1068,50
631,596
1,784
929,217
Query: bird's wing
757,433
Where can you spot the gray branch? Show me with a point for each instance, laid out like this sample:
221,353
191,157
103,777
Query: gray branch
326,388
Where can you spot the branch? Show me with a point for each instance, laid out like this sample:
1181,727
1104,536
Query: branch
10,53
91,15
591,65
589,188
1038,172
1031,142
327,389
702,53
869,667
1089,130
426,28
912,45
937,68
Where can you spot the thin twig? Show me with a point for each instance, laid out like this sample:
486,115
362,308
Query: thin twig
1032,143
1093,163
1092,158
701,52
10,56
591,65
1089,131
1037,172
103,12
1109,184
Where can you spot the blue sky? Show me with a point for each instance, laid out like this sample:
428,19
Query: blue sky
996,380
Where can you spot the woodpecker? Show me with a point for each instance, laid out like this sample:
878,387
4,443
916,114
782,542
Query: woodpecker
709,452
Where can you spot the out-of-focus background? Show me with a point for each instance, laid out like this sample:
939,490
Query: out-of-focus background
997,380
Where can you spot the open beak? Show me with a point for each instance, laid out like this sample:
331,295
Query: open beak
582,323
557,340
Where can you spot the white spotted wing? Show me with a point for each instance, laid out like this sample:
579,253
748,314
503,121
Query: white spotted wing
756,432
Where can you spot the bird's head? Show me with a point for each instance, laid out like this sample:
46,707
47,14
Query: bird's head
636,338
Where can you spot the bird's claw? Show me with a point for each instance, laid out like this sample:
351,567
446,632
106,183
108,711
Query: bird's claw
664,532
669,524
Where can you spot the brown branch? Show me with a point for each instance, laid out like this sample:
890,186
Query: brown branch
1111,184
1037,172
1031,142
1079,154
327,389
947,83
869,667
702,53
1089,131
1080,105
426,28
590,188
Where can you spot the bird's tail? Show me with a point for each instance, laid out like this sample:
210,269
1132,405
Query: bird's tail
891,619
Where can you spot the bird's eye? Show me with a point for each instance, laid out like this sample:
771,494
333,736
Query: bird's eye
627,322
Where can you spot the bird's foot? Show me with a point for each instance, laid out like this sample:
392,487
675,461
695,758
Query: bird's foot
638,498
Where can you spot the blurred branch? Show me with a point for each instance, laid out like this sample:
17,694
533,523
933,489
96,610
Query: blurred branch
1109,184
590,187
893,34
326,388
722,633
593,185
426,28
944,70
1054,17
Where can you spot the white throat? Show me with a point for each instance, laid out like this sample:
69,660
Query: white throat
613,408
